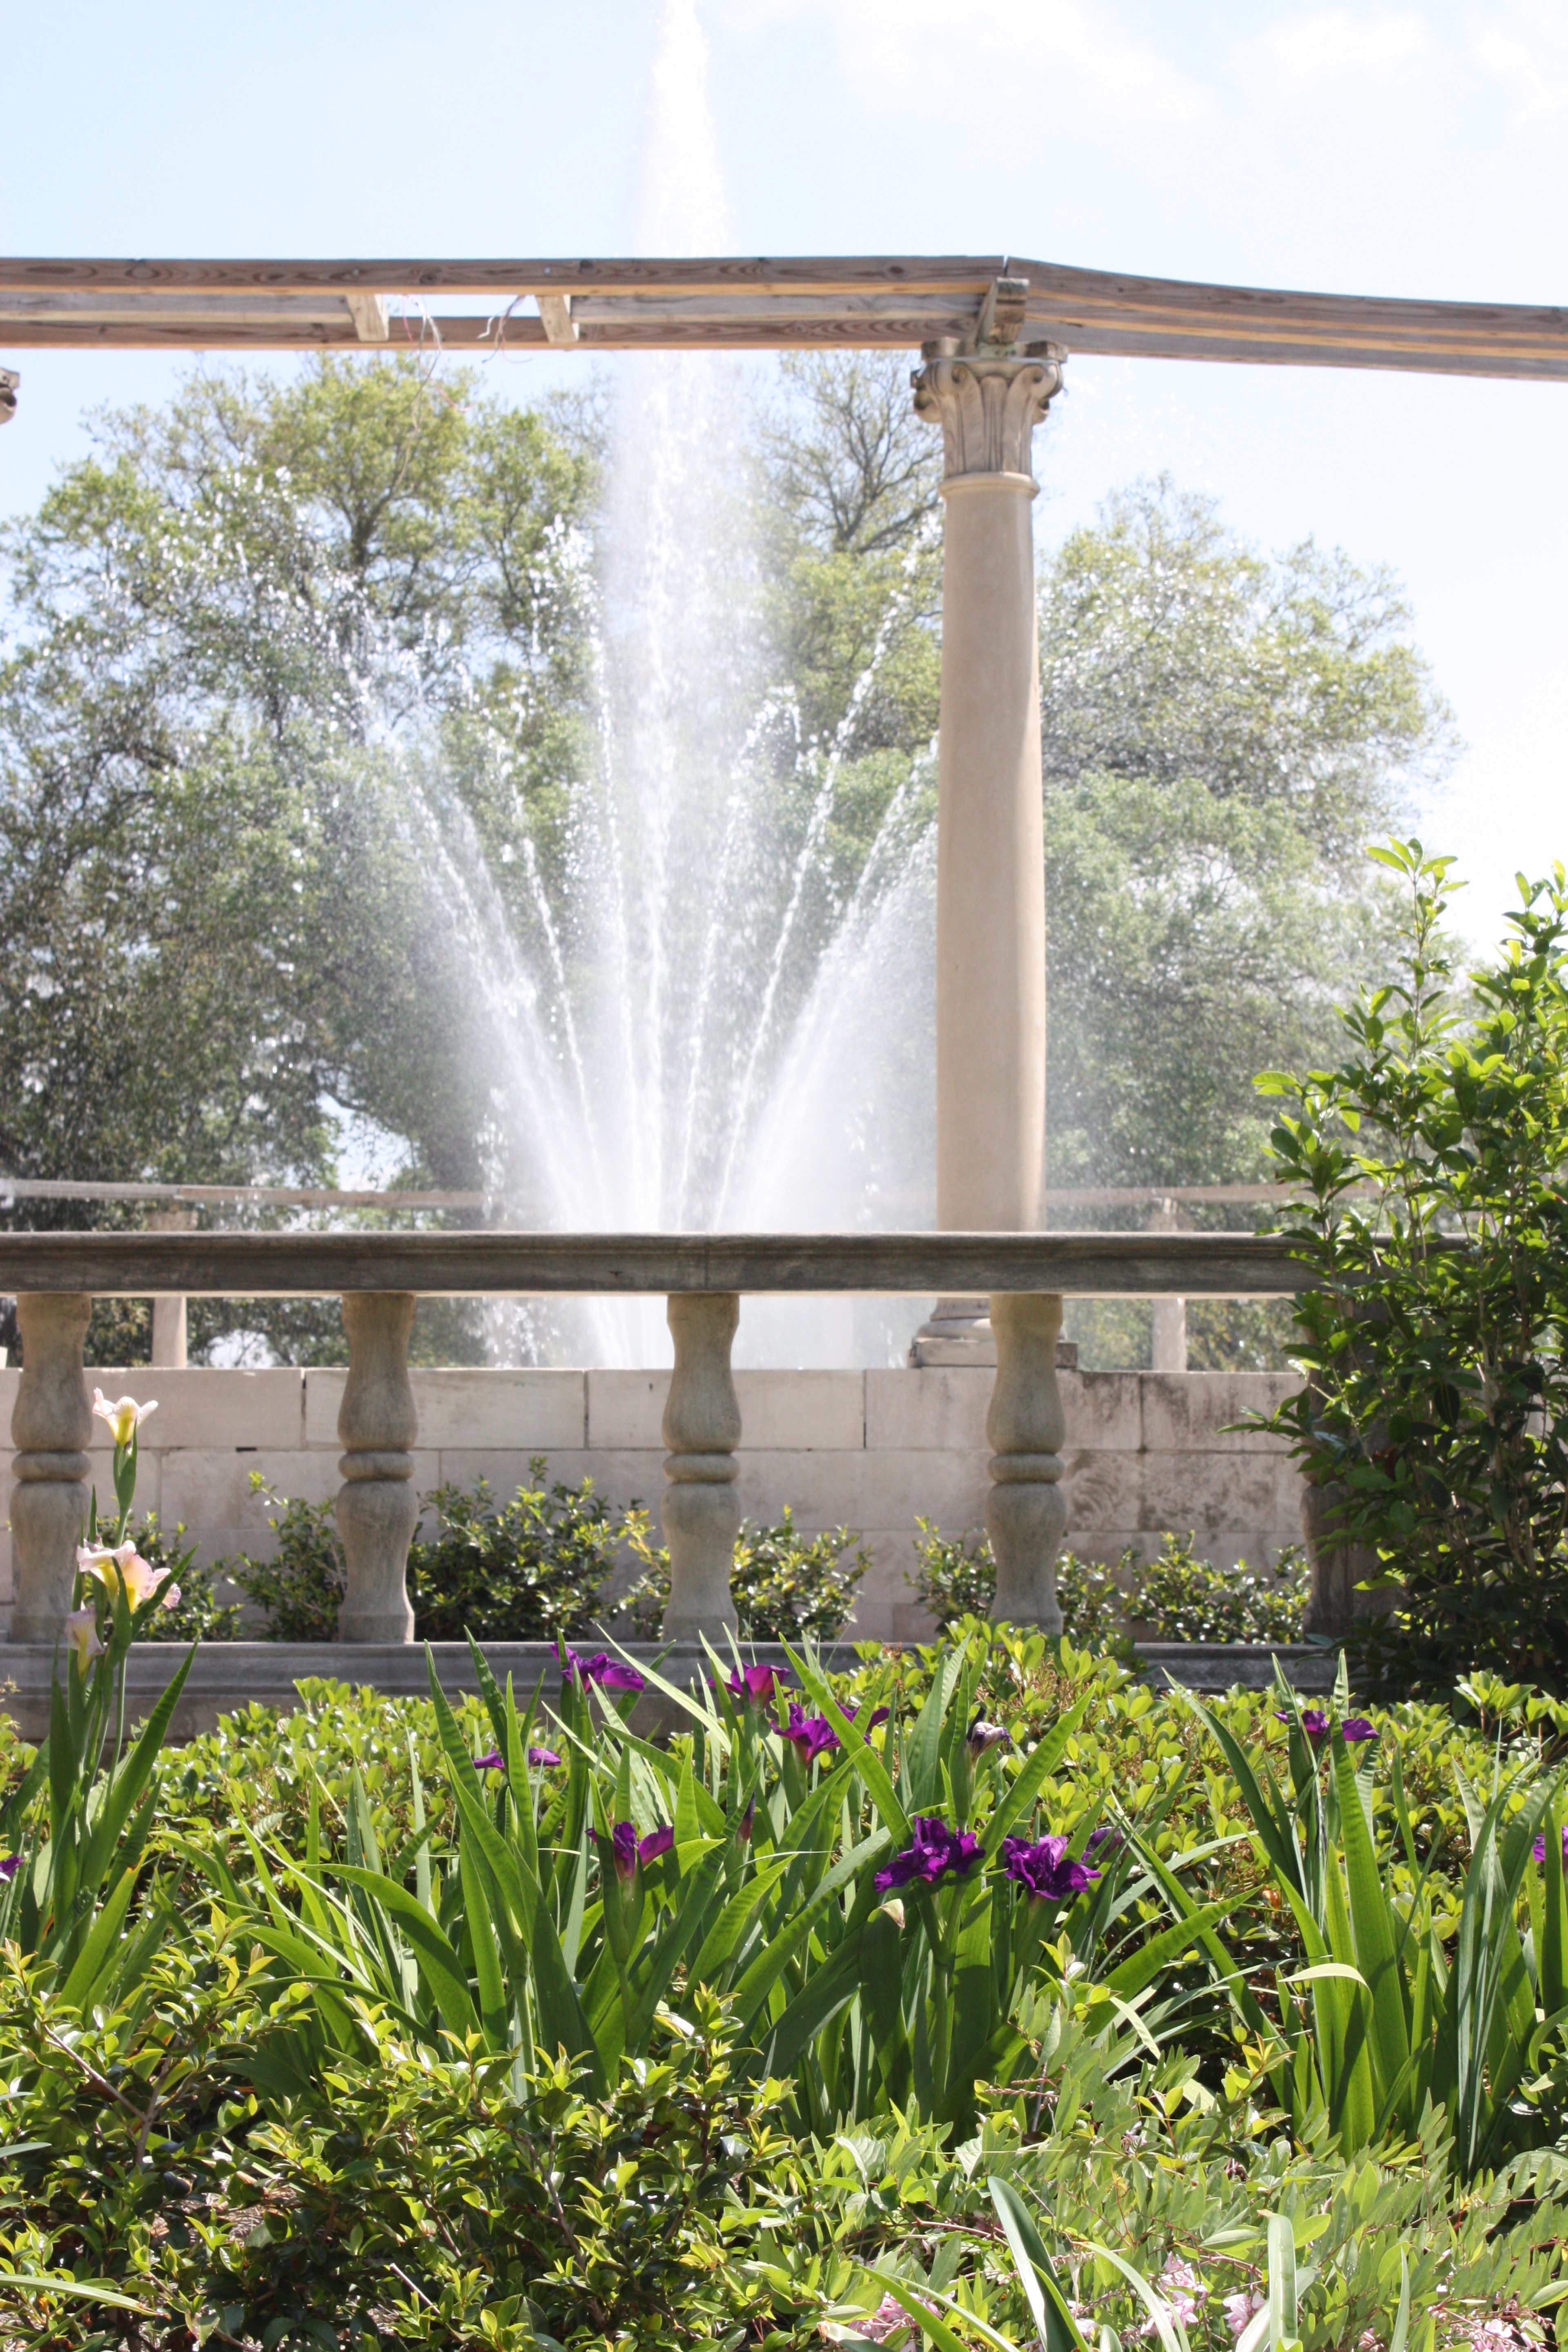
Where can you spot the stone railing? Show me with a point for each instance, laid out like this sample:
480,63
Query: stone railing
380,1277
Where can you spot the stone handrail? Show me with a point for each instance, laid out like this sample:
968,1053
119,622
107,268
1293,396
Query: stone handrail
379,1276
490,1263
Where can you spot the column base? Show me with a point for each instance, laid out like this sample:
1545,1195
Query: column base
959,1333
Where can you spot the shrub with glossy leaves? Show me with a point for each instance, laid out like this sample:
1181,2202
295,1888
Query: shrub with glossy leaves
784,1584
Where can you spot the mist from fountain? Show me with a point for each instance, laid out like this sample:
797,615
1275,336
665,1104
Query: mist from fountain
703,1025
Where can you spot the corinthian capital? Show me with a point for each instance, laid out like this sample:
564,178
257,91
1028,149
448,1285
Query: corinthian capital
988,408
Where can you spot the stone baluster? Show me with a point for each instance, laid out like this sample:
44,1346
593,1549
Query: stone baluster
701,1511
169,1324
1168,1321
51,1427
377,1507
1025,1510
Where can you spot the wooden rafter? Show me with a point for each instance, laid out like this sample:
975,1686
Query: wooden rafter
843,303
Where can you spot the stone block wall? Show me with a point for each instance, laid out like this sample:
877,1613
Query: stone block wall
872,1449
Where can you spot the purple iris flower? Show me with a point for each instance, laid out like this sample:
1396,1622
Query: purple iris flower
10,1866
810,1736
1044,1870
936,1852
756,1684
623,1849
1314,1722
982,1736
1538,1850
545,1756
1356,1727
493,1762
610,1674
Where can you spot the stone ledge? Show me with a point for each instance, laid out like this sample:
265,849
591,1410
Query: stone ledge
228,1676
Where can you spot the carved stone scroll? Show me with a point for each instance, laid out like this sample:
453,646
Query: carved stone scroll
988,409
377,1507
701,1511
51,1427
1025,1511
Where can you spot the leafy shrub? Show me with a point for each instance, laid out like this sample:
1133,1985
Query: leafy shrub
1176,1597
1180,1597
524,1570
784,1584
1435,1224
198,1614
302,1586
417,2201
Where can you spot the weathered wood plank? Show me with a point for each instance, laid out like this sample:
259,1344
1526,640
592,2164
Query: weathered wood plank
749,303
820,274
470,1264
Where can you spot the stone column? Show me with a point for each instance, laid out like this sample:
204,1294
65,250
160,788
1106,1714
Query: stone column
991,893
51,1428
1025,1510
701,1511
377,1507
169,1313
1168,1335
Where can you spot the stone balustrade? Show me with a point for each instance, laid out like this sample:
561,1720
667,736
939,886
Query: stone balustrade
55,1277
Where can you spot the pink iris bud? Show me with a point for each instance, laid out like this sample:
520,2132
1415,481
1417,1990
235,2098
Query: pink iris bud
543,1756
493,1762
982,1735
747,1817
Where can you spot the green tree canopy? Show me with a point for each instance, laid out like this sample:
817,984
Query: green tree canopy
1223,733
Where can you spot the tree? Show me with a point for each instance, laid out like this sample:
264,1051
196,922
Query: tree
1222,734
213,857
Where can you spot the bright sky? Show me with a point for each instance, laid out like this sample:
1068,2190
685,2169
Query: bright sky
1419,151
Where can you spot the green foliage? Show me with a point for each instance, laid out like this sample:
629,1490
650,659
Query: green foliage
1221,733
197,1615
421,2064
407,2196
1181,1597
1176,1597
302,1586
1384,2025
785,1585
1434,1226
76,1827
524,1570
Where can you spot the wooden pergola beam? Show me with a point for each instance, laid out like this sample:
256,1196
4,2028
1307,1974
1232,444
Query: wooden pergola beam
866,301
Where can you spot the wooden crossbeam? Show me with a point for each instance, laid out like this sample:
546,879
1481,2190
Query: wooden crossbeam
738,303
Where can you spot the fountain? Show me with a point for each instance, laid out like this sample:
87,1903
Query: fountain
699,1025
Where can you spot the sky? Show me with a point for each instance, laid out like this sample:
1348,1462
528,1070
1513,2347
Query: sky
1358,149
